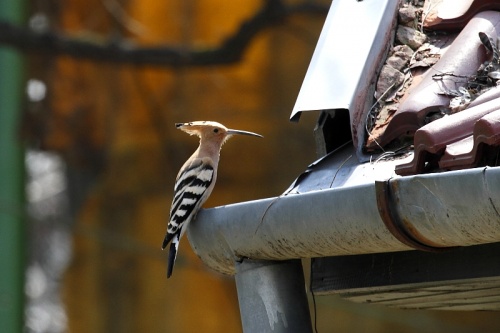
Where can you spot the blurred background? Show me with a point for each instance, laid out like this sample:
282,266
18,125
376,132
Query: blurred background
89,154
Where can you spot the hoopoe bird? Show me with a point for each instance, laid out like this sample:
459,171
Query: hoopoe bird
195,180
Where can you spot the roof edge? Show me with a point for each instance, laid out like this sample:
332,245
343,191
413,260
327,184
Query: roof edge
456,208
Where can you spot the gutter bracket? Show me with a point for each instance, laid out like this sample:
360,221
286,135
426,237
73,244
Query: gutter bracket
390,217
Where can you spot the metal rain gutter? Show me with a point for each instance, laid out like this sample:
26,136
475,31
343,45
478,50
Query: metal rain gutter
431,212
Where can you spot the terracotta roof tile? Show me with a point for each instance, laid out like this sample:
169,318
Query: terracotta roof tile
448,102
482,145
463,58
431,140
457,23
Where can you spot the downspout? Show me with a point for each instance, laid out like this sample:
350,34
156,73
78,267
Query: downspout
12,226
436,211
272,297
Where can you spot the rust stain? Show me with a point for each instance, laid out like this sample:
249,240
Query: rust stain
415,234
401,229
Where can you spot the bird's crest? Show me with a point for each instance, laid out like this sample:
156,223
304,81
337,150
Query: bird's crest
207,129
200,128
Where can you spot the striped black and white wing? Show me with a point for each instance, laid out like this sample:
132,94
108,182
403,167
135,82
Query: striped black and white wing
190,192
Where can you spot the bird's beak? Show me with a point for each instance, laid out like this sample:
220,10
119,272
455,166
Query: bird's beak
232,132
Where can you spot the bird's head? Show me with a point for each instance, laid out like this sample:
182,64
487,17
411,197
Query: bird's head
211,130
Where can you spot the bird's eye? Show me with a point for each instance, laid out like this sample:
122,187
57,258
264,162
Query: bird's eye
216,130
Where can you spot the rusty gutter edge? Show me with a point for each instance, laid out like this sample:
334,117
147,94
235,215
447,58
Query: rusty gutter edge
455,208
386,206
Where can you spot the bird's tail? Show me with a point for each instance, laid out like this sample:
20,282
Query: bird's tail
167,239
172,254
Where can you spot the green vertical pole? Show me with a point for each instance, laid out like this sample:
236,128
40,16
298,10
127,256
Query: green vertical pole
12,224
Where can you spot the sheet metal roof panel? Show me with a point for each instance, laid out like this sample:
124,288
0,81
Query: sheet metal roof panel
346,55
345,63
341,169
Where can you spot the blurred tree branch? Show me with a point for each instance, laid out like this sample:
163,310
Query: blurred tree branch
230,51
